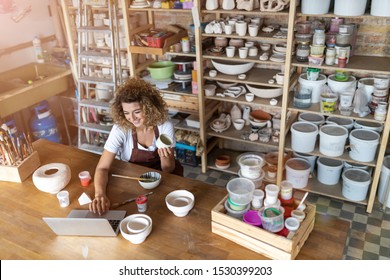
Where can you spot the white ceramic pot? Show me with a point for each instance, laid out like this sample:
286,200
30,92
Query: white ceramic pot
315,7
211,5
349,7
380,8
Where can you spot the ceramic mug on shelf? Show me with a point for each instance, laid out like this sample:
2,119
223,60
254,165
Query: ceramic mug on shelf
241,27
279,77
230,51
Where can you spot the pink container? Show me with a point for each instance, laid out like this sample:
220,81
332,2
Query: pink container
252,217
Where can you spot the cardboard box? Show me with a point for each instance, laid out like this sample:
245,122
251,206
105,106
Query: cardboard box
259,240
22,171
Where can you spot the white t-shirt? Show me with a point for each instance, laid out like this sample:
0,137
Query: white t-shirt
120,142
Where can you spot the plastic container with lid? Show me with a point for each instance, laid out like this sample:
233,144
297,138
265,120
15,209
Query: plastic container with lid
319,37
297,172
142,203
240,190
355,184
272,219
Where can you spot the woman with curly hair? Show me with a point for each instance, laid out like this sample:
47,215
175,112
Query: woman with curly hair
140,116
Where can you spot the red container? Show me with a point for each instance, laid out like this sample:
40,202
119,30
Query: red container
158,40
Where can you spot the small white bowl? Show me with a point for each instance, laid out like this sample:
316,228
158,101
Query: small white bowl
180,202
238,123
265,46
137,223
150,184
139,237
209,90
213,73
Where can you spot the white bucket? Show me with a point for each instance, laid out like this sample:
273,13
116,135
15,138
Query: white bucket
314,85
368,125
332,140
329,170
339,87
310,158
315,7
347,123
380,8
384,182
355,184
297,172
313,118
349,7
364,144
349,165
303,137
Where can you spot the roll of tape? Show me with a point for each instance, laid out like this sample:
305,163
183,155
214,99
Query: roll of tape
52,177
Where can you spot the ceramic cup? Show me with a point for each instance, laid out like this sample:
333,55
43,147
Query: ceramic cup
228,29
230,51
243,52
253,29
241,27
164,141
232,22
253,51
279,77
249,97
213,73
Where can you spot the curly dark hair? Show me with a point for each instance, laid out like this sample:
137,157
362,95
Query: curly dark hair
137,90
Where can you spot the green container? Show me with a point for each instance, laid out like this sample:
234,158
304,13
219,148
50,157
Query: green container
161,70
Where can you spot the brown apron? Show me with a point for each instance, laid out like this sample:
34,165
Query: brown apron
150,159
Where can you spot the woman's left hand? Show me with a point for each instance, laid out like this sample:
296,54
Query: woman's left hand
165,152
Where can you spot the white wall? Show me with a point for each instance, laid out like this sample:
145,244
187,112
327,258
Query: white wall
36,23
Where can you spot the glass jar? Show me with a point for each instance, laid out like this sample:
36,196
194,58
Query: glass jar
381,111
303,51
319,37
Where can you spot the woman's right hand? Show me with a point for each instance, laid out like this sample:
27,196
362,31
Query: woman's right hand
100,204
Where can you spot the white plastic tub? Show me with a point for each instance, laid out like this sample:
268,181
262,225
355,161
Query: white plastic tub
349,7
364,144
384,182
355,184
303,137
380,8
329,170
332,140
339,87
311,7
347,123
297,172
368,125
310,158
314,85
313,118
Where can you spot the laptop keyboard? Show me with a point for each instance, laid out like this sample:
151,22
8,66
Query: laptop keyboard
114,224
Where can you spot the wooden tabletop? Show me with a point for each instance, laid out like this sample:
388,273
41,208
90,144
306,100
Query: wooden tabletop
24,235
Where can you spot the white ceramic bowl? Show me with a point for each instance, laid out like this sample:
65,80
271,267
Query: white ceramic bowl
137,223
232,67
238,123
150,184
139,237
226,85
265,92
180,202
52,177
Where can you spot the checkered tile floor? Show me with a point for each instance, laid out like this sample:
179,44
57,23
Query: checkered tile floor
369,234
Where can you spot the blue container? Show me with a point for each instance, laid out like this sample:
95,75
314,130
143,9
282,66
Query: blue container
43,124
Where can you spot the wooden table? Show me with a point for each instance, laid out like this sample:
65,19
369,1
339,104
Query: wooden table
24,235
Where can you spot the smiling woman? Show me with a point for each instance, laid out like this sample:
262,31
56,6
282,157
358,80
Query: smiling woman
140,115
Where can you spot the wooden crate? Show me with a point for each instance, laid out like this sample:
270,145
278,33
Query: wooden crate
20,172
259,240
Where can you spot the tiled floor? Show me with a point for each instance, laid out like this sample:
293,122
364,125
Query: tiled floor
369,234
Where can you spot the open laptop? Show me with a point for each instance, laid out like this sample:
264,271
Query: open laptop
86,223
